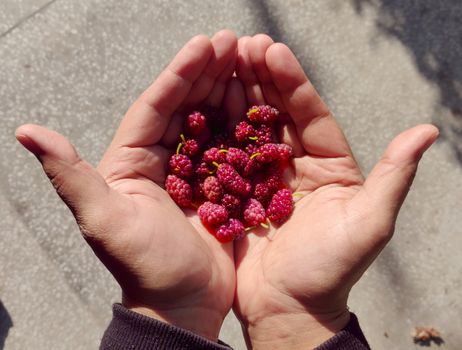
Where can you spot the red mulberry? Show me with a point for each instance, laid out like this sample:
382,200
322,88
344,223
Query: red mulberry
281,206
254,213
232,181
244,132
195,123
232,205
179,190
213,189
212,214
262,114
232,230
181,166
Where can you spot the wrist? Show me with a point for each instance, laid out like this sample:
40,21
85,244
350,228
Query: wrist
301,330
199,320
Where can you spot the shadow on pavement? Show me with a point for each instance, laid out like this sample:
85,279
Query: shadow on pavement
5,324
432,32
270,22
272,26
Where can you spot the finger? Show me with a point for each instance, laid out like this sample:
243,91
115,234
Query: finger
79,185
220,68
221,62
171,137
257,48
234,103
388,183
215,97
317,129
146,121
288,135
246,74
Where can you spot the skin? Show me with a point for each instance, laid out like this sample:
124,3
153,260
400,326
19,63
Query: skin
290,285
168,266
293,281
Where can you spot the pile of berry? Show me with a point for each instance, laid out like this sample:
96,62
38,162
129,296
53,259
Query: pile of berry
234,180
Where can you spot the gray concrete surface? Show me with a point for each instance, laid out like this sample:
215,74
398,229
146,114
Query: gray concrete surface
75,66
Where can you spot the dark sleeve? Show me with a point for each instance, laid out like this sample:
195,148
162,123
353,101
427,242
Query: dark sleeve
349,338
130,330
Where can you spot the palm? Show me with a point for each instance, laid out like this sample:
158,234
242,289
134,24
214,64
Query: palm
336,230
314,245
167,264
191,267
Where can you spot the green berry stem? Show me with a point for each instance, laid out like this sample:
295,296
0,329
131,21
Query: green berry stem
254,155
253,110
264,225
253,138
223,151
179,147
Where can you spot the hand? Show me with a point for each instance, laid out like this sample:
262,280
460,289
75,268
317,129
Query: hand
293,283
168,265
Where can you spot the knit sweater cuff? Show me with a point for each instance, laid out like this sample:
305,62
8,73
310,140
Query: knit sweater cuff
349,338
130,330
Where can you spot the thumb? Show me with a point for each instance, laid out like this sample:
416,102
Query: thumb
388,183
390,180
78,184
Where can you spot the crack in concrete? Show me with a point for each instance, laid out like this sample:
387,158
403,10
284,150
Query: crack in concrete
25,19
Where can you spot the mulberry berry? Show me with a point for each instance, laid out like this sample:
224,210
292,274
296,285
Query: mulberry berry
195,123
212,214
232,205
264,135
213,155
232,181
181,165
213,189
262,114
254,213
232,230
202,171
237,158
190,148
251,167
265,189
281,206
179,190
273,151
251,149
244,131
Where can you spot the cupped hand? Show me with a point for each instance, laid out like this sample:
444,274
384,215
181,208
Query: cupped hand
168,266
293,281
